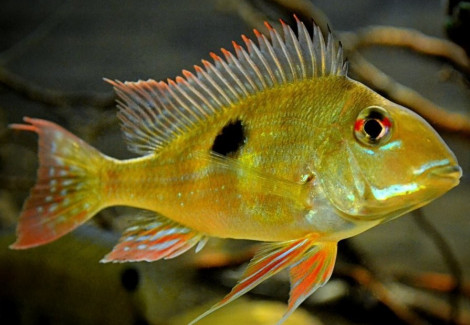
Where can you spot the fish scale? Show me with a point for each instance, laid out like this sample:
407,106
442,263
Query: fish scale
315,158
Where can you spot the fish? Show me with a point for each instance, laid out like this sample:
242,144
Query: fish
272,143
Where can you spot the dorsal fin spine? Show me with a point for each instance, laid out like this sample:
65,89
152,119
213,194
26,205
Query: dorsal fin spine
261,84
183,87
211,70
190,77
319,46
286,53
173,89
169,114
246,81
279,46
149,104
279,72
245,59
329,49
255,54
203,75
150,101
131,116
249,85
341,65
266,55
306,47
155,99
229,71
212,76
135,129
291,41
230,81
153,113
185,101
166,116
235,96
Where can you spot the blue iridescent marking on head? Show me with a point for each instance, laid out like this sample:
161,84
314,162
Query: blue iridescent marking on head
392,145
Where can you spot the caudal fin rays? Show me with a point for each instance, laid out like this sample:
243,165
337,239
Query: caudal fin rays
66,192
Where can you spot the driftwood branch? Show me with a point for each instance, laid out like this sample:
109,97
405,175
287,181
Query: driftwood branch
52,97
438,116
408,38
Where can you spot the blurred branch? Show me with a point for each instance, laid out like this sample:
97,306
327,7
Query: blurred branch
404,37
305,10
382,292
255,17
433,281
38,93
251,16
404,300
449,259
53,97
38,34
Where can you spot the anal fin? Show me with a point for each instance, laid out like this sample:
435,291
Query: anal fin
153,239
311,264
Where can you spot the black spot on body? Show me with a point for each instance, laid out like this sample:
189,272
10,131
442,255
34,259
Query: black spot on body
130,279
230,139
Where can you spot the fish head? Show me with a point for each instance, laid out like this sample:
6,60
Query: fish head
383,160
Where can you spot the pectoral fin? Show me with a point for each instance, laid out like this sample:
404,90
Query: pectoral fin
153,239
310,262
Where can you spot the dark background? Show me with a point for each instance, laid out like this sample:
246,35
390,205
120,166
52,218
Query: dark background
70,46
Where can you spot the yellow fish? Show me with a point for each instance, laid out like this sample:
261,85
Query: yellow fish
273,143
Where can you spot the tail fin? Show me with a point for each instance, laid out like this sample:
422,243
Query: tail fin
67,191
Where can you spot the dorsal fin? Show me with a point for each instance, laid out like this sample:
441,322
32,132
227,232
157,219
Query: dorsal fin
153,113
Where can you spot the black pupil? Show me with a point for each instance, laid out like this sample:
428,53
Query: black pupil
373,128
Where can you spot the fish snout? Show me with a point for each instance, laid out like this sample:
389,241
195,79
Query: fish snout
447,175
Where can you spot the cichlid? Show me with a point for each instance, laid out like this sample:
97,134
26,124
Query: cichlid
273,143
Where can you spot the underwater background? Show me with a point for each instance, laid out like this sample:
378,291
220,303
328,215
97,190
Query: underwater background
53,57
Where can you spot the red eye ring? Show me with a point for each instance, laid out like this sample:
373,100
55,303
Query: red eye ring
373,126
359,125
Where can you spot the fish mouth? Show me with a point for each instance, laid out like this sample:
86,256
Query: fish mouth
429,185
447,175
435,182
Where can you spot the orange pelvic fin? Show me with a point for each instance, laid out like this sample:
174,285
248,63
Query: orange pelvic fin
66,193
153,239
310,273
310,263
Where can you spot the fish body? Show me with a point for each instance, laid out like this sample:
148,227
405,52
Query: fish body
274,143
244,195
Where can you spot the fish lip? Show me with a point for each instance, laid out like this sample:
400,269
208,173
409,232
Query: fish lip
447,173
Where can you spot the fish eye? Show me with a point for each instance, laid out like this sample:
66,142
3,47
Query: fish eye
373,126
